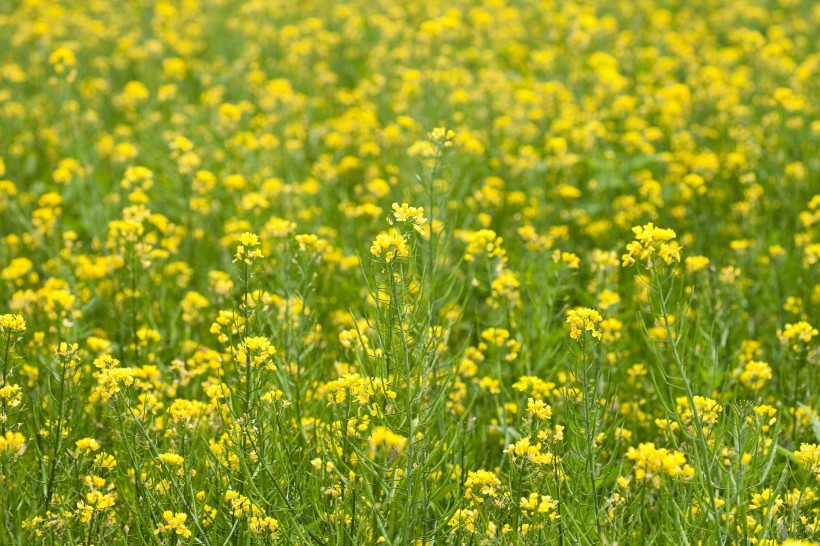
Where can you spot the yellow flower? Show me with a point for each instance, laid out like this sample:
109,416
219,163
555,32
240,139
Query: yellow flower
242,505
496,336
572,260
583,319
708,410
95,501
649,241
696,263
539,409
259,350
391,244
651,463
12,442
262,524
755,374
406,213
174,522
798,332
525,448
464,519
483,241
17,270
105,460
246,250
442,137
87,444
542,504
11,395
111,376
171,459
12,324
310,243
382,436
480,484
809,456
61,59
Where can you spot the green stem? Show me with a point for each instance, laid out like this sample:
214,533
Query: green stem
408,406
5,372
248,370
590,422
691,401
58,441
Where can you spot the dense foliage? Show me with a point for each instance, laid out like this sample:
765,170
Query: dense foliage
364,272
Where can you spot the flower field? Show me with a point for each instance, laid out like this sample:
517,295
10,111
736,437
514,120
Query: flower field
502,272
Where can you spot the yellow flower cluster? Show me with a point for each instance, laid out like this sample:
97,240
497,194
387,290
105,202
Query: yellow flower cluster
12,324
382,436
62,59
442,137
755,374
809,456
481,485
95,502
651,241
191,351
405,213
539,409
652,463
111,377
581,320
247,250
258,350
541,504
11,396
12,442
708,410
263,525
356,387
483,242
174,523
463,519
171,459
241,505
87,444
532,452
798,333
390,244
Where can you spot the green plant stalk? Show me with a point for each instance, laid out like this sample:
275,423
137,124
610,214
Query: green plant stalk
5,372
58,441
408,406
155,453
248,370
590,426
691,401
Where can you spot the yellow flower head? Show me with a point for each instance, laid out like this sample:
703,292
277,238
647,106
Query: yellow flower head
583,319
405,213
174,523
442,137
649,242
171,458
391,245
246,250
12,324
61,59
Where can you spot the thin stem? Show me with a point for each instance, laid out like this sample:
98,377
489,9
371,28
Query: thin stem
408,404
58,441
5,372
691,401
248,370
589,424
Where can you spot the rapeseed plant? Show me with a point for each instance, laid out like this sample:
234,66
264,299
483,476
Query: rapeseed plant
475,272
